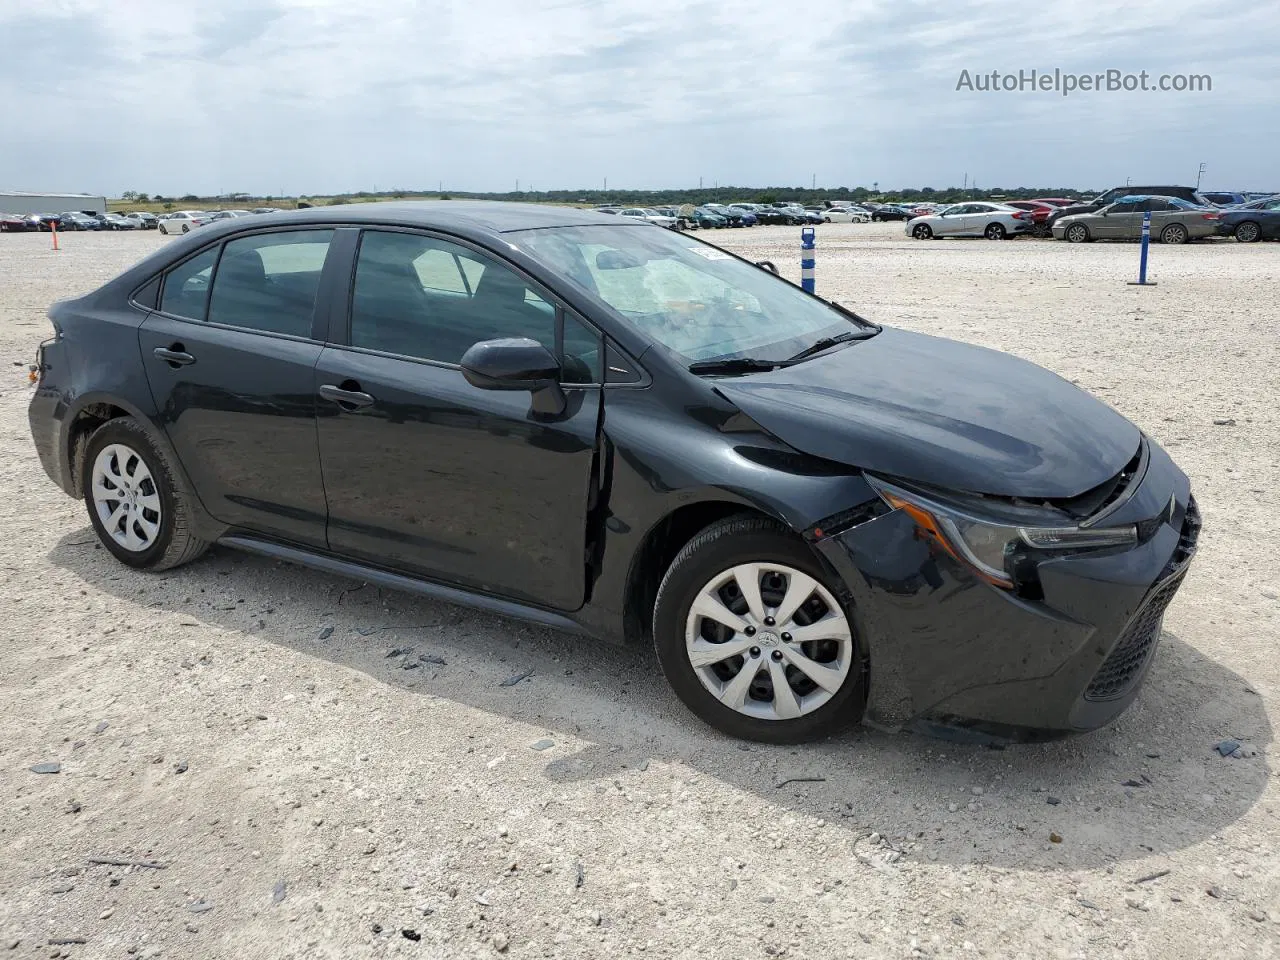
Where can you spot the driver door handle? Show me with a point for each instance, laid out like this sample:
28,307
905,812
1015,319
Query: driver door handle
175,355
350,399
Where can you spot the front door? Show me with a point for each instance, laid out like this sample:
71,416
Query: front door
230,360
428,474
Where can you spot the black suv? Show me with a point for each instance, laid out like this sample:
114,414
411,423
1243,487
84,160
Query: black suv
1189,194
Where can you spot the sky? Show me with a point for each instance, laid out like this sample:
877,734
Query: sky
322,96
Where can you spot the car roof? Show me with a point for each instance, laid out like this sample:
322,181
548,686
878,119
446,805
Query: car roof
486,216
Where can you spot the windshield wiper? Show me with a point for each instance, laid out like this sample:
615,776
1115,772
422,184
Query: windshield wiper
733,365
825,343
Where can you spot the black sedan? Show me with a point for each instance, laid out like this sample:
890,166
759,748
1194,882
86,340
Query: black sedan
75,220
1255,221
598,426
887,212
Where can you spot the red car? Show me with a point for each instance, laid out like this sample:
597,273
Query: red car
1040,211
13,223
1054,201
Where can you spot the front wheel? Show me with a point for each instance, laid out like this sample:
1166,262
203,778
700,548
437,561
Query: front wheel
1077,233
995,231
1174,233
1248,232
751,636
186,228
137,510
922,231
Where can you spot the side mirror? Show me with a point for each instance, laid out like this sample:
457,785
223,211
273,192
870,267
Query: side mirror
767,265
516,363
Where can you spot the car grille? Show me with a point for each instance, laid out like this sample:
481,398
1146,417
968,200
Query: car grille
1123,666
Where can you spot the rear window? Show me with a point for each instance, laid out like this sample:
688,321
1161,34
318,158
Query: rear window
186,286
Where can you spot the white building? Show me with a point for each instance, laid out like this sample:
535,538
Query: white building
14,201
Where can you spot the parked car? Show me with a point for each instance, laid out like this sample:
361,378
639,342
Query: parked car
1189,194
888,211
708,219
182,221
146,221
75,220
681,221
1225,199
1040,213
14,223
1054,201
846,215
995,221
649,216
781,510
228,214
266,209
777,215
1173,220
45,221
115,221
1259,220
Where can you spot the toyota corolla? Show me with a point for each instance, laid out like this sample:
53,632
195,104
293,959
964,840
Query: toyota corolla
625,432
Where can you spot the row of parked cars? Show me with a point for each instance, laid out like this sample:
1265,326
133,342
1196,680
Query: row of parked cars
743,214
1177,215
180,221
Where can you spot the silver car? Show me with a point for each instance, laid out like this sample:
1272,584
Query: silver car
995,221
1173,220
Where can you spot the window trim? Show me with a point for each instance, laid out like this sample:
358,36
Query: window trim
319,318
340,331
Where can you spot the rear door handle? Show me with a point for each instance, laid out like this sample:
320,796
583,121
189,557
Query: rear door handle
349,399
175,356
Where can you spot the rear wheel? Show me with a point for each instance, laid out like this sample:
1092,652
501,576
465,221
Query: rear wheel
995,231
752,639
922,231
136,509
1077,233
1174,233
1248,232
186,228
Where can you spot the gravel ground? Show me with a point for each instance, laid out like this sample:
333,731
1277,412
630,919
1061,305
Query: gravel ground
243,724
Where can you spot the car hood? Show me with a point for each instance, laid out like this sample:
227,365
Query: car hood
944,413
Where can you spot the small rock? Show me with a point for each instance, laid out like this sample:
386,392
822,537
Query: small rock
105,914
101,726
1257,916
874,838
62,888
180,767
370,848
513,680
483,898
1052,801
977,791
279,891
376,928
596,919
51,766
74,806
972,808
1133,904
410,934
200,906
1054,838
399,652
542,745
500,942
410,665
1227,422
15,943
325,634
432,659
644,765
1224,747
1133,783
1216,892
952,808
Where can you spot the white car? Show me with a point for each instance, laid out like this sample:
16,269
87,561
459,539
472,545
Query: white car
649,216
182,221
846,215
995,221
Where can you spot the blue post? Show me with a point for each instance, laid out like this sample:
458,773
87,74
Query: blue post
806,259
1142,260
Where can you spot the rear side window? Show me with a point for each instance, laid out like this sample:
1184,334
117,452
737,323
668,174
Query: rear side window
269,282
186,286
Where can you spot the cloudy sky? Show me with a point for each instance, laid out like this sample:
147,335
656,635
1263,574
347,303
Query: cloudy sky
318,96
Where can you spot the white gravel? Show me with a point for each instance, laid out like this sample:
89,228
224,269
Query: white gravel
428,799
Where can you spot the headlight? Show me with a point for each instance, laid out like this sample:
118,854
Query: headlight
986,544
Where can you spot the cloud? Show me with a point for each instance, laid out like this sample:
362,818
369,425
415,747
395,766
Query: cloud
326,95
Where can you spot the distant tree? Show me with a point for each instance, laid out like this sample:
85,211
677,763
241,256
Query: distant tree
129,195
338,200
189,198
168,205
445,196
141,197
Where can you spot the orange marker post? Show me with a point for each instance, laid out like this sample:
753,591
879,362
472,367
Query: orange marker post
53,226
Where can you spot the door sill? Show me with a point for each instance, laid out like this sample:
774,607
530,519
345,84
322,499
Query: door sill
399,581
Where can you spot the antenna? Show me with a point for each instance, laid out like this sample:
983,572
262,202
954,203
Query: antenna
1199,176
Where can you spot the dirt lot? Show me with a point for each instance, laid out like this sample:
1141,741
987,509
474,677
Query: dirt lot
241,723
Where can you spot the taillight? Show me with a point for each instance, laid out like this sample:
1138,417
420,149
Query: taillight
1020,215
1212,216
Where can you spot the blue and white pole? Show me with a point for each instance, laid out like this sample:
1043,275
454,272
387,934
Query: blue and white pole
1142,258
806,259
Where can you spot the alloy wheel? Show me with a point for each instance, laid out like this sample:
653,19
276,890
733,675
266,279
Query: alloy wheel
1077,233
769,641
126,498
1248,232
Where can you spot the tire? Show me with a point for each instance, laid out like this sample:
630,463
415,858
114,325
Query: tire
922,231
1077,233
186,228
1248,232
995,231
1174,233
148,488
707,564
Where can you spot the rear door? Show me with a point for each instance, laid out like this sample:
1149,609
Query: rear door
1118,221
426,473
230,357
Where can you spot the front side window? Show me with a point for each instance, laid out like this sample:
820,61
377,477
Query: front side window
269,281
186,286
691,297
428,298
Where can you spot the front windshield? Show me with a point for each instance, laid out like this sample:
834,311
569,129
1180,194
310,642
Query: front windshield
691,297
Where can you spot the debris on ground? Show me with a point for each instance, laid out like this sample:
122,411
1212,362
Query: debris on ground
51,766
512,681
